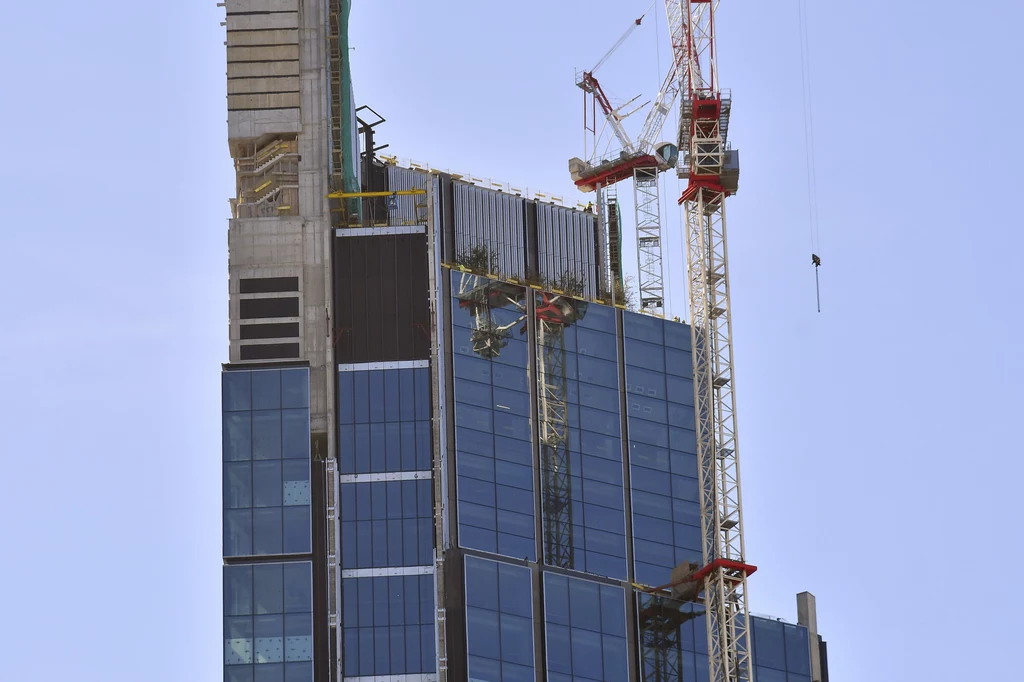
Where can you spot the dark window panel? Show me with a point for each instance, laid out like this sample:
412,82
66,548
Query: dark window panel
262,308
270,351
278,330
266,285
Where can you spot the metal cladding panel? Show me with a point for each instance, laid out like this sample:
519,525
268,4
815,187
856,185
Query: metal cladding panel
494,220
407,212
566,245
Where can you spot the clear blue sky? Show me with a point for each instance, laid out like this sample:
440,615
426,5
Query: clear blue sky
881,461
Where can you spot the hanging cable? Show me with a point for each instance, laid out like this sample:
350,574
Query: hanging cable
809,150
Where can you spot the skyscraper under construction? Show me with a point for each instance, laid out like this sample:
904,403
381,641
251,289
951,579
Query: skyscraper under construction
451,451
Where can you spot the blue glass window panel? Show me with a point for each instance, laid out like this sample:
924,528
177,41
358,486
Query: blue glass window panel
237,590
477,538
680,390
512,378
392,400
266,390
361,396
515,475
237,532
269,634
654,553
515,353
482,633
511,672
603,564
295,433
236,387
651,504
267,531
613,611
678,336
516,546
268,587
516,639
586,653
599,421
684,511
294,388
511,426
679,363
514,523
643,431
797,650
685,488
298,587
422,400
266,434
604,470
266,483
603,494
516,402
238,673
484,669
237,485
482,583
298,672
684,440
477,492
769,644
689,538
606,543
273,672
476,442
515,590
646,383
237,436
596,344
559,648
682,416
296,528
684,464
599,397
381,648
643,327
478,516
597,371
650,480
614,657
608,447
645,355
473,393
770,675
476,466
378,400
474,417
650,456
346,402
650,409
596,516
378,458
652,529
473,368
423,454
406,398
514,499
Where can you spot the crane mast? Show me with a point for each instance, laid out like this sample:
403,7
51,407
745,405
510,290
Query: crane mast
712,170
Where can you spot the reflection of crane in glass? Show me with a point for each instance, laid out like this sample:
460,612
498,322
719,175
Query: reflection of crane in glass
553,313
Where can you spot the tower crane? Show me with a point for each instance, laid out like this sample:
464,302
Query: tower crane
711,169
643,160
553,313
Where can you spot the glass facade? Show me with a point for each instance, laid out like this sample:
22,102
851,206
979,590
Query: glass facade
386,518
580,444
585,626
268,622
662,447
266,462
781,651
499,621
387,523
384,420
389,625
493,431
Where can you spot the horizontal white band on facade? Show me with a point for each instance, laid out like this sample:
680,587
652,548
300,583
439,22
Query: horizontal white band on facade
270,294
378,231
412,677
388,571
396,364
267,342
393,476
266,320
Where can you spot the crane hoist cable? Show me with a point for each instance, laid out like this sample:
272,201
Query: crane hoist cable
618,43
809,151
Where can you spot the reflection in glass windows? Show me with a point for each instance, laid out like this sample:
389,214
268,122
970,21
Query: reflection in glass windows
662,447
384,420
387,523
389,625
494,460
585,625
781,651
268,622
580,439
673,638
266,462
499,621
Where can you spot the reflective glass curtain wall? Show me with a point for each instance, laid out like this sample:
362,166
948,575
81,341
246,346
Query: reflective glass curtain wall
268,607
662,447
387,532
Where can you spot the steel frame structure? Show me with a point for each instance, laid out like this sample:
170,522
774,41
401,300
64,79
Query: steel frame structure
553,422
648,239
704,122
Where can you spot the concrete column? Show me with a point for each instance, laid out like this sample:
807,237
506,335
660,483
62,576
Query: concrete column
807,615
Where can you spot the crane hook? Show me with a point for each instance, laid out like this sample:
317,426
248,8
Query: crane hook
817,287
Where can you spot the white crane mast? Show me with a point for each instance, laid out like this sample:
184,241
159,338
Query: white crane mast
713,174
